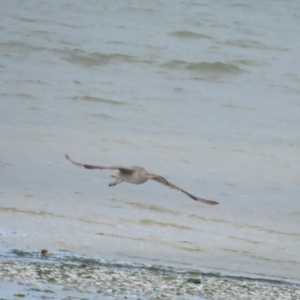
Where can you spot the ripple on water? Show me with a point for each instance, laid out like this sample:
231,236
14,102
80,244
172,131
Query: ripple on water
163,224
99,100
185,34
208,70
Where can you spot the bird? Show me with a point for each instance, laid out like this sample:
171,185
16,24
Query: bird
138,175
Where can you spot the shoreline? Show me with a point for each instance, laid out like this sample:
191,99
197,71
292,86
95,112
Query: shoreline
39,274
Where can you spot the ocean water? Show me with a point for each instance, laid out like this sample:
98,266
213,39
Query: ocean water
203,93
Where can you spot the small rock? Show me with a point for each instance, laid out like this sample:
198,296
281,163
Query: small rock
46,253
194,280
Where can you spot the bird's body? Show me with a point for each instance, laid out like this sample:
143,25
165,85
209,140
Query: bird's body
138,175
134,175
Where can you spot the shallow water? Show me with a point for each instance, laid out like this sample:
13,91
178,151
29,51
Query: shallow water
205,94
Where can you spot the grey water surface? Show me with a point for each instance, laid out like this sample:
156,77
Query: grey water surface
205,93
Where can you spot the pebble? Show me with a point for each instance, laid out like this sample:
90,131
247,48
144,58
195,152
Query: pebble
143,282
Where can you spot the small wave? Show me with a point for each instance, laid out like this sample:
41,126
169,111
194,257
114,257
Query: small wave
246,44
18,95
205,67
31,212
121,236
32,20
185,34
252,44
250,254
229,105
114,42
154,208
5,164
103,116
245,225
21,47
163,224
96,99
218,67
96,58
251,63
136,8
191,249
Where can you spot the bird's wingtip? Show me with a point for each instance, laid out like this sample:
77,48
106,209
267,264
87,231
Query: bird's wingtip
214,203
209,202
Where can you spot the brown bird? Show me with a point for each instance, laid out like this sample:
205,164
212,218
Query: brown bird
138,175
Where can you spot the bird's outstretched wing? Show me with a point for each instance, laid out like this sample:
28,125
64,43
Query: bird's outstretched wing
165,182
128,170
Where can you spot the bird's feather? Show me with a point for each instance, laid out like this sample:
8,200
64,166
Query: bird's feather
165,182
91,167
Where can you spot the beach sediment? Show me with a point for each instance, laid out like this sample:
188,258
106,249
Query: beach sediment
90,278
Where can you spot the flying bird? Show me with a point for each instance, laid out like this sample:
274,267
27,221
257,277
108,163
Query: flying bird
138,175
